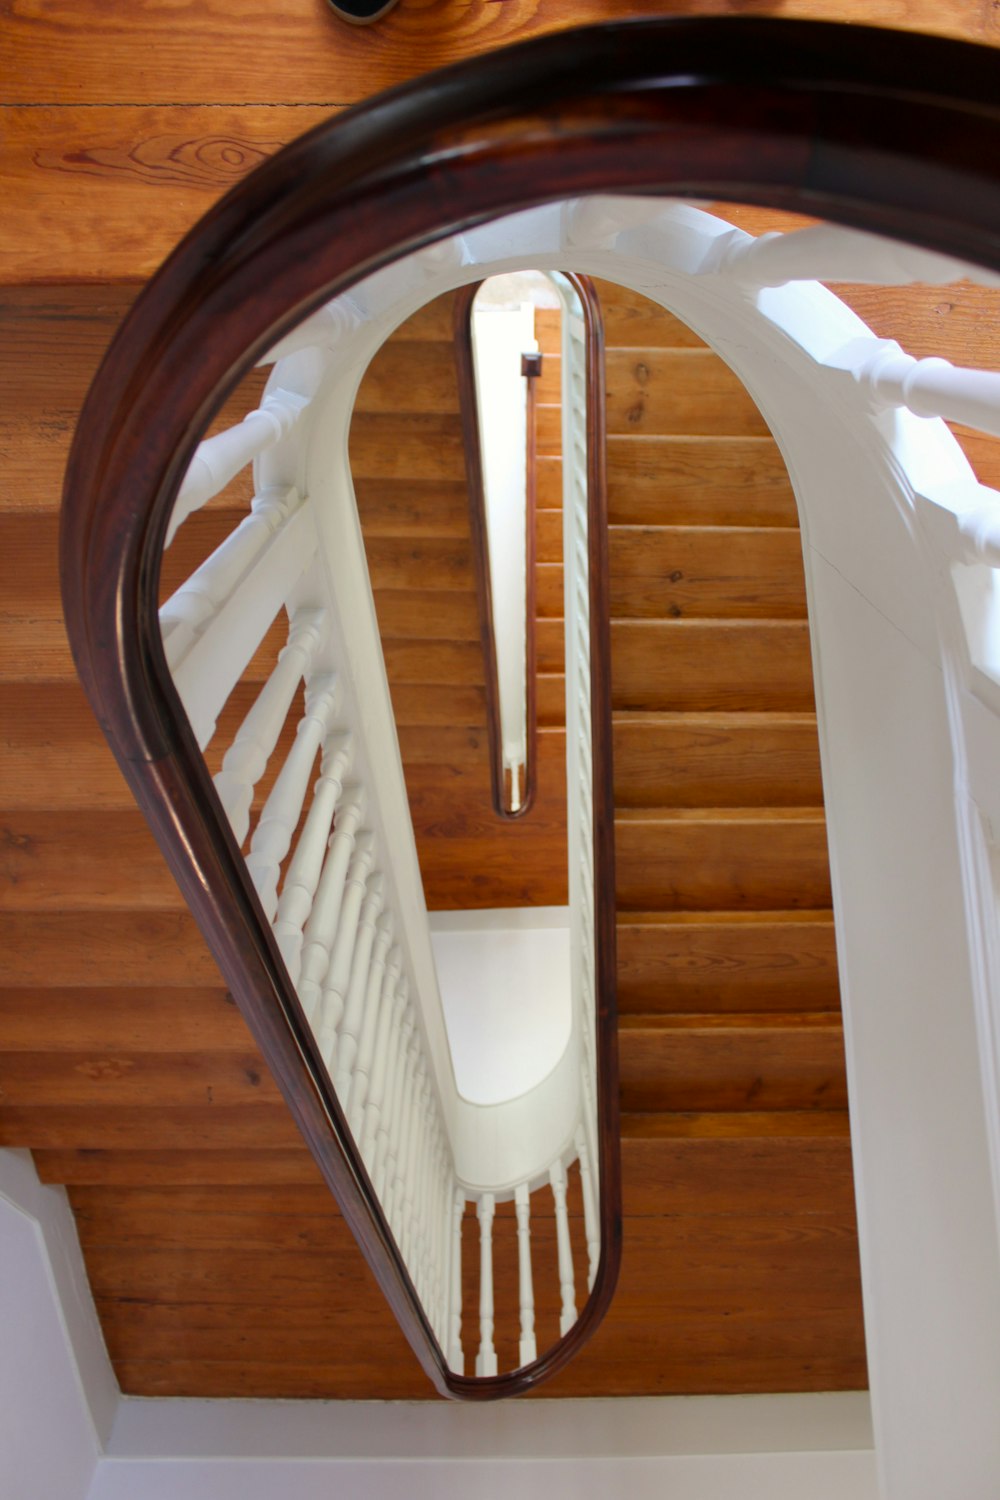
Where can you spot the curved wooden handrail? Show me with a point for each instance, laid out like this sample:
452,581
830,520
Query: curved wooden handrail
596,444
890,132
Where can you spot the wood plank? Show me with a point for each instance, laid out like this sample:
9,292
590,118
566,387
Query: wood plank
104,192
421,564
265,1127
654,392
717,760
670,572
721,859
632,321
425,705
413,614
127,1168
748,1062
388,384
52,752
105,1078
705,1175
186,1019
405,445
698,481
412,507
789,1125
687,961
73,948
82,861
446,662
696,665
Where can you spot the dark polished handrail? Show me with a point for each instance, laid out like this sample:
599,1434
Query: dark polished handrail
596,423
886,131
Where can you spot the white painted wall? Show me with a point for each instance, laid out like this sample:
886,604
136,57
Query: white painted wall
58,1396
500,335
504,978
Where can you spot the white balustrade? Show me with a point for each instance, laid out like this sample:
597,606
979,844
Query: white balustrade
362,972
486,1359
220,654
926,387
321,927
280,816
188,610
245,762
380,1084
219,459
829,252
345,936
383,976
306,866
342,953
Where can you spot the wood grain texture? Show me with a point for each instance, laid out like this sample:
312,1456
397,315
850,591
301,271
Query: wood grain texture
727,961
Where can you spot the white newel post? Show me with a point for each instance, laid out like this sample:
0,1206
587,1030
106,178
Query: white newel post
527,1348
304,871
486,1359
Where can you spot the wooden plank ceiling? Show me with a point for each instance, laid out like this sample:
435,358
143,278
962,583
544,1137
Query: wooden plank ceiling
219,1265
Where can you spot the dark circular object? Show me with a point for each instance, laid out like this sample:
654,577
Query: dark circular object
361,12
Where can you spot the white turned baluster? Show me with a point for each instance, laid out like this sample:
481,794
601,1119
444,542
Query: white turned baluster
926,387
184,614
325,327
406,1154
527,1348
383,973
399,1147
307,862
394,1121
486,1359
398,1036
342,953
219,459
829,252
557,1177
380,1084
246,759
591,1223
281,812
357,987
456,1356
321,928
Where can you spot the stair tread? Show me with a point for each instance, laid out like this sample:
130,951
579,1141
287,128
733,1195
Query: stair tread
719,815
650,1125
730,1021
773,917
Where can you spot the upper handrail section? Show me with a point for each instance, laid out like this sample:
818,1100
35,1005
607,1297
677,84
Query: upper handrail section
892,133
